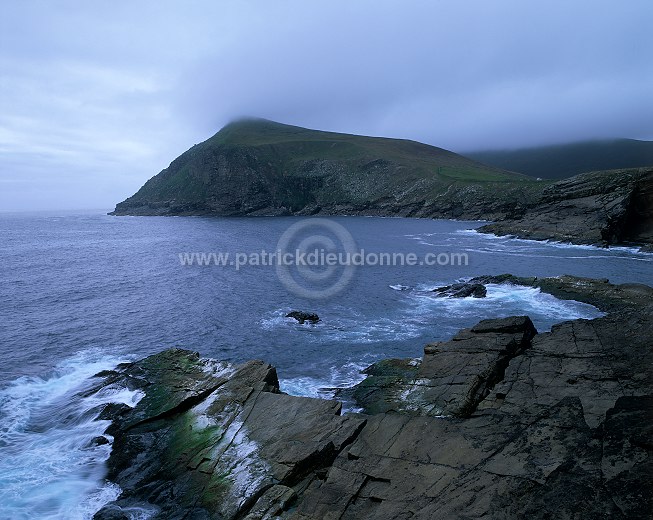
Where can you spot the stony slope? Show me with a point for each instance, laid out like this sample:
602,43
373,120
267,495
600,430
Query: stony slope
257,167
499,422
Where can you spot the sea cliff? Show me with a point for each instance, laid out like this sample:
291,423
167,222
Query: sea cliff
263,168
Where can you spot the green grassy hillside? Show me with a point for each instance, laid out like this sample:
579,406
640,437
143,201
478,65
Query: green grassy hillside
558,162
256,166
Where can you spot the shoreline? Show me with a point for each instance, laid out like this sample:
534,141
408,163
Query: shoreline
603,208
627,246
242,449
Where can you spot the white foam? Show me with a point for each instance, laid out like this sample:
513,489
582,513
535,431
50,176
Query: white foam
558,244
347,325
49,468
216,368
278,318
345,376
505,300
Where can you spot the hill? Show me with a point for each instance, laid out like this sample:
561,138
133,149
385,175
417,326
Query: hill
562,161
259,167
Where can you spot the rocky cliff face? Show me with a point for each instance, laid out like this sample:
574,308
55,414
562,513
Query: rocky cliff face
499,422
265,168
607,208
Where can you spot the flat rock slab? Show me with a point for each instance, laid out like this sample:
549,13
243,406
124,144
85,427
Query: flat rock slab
424,467
454,376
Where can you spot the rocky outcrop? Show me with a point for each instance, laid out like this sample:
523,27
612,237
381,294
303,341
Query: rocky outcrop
605,208
211,440
462,290
536,442
303,317
498,422
453,376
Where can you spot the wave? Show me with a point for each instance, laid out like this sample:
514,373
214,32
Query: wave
555,243
347,325
50,468
338,377
503,300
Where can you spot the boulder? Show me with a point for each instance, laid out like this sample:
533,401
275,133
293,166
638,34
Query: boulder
461,290
100,440
303,317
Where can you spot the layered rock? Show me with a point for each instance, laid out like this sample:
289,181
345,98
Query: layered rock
562,432
498,422
612,207
210,440
453,376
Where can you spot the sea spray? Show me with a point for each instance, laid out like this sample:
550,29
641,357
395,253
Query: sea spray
50,468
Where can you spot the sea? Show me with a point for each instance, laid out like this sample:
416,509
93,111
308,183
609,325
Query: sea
81,292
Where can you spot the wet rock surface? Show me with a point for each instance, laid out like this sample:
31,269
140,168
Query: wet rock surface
303,317
210,440
462,290
498,422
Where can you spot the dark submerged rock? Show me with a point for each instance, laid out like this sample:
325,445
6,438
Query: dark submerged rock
111,512
100,440
303,317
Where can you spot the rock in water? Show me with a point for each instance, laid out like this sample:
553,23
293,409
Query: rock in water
100,440
462,290
498,422
303,317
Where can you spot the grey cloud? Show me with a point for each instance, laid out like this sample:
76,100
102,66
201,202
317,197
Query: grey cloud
96,97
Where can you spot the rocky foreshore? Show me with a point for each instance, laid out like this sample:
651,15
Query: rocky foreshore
602,208
498,422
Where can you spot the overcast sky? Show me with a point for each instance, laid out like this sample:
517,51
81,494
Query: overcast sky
98,96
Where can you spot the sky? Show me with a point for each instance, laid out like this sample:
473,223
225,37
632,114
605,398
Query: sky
98,96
